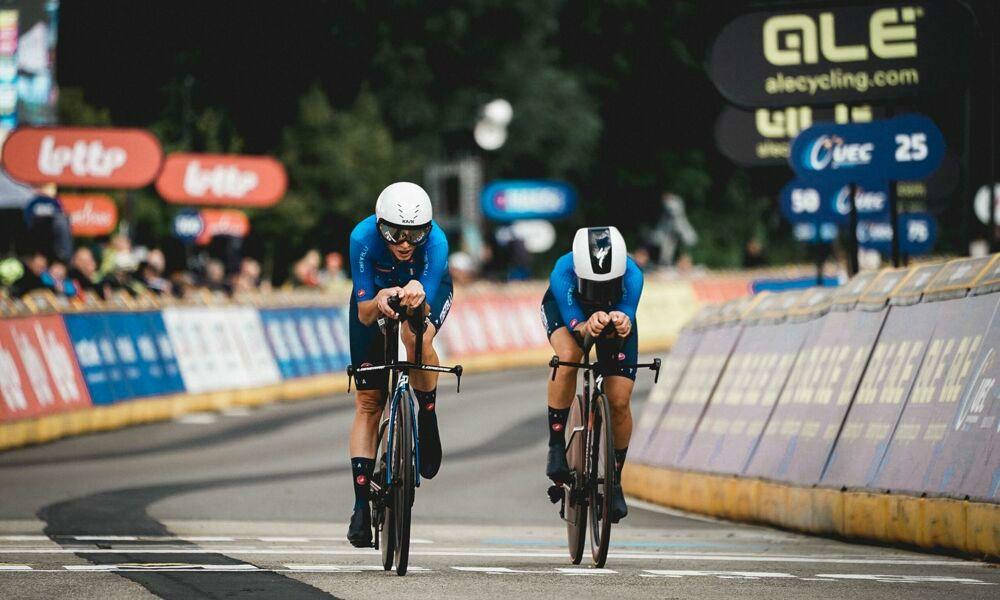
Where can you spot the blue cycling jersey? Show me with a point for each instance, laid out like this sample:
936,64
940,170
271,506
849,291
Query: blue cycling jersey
373,267
563,284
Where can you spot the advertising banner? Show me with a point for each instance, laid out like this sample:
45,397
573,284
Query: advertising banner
82,156
905,147
257,181
943,418
289,350
918,233
798,438
660,396
881,395
742,403
841,54
680,418
90,215
38,373
763,137
516,199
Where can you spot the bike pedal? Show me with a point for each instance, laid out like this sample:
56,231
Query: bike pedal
555,493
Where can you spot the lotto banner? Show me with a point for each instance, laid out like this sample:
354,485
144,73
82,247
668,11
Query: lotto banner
671,372
681,416
804,425
881,395
947,440
742,403
38,374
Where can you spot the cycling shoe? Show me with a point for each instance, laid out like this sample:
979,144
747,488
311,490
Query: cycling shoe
430,446
359,532
619,510
557,469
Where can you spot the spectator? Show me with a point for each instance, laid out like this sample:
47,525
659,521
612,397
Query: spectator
54,279
215,277
248,278
334,271
306,270
152,278
753,254
461,268
35,266
182,285
673,230
642,258
83,270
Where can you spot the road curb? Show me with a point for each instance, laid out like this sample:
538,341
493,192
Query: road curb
957,526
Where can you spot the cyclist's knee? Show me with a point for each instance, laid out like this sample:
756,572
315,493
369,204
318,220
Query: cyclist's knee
368,402
621,404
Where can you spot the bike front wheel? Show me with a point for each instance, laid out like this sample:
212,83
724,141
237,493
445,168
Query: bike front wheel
403,482
602,479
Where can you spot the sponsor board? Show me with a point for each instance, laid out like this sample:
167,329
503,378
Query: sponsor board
200,226
38,372
948,427
882,393
257,181
798,438
841,54
746,394
918,233
830,202
516,199
905,147
90,215
662,393
680,418
82,156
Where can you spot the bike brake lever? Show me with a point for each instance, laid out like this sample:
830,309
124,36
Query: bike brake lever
554,363
656,367
458,379
350,376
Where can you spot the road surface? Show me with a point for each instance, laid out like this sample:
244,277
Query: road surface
254,504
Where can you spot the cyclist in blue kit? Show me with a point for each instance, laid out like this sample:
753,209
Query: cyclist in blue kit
398,252
592,288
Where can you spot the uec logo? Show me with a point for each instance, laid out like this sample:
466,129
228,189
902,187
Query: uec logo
830,151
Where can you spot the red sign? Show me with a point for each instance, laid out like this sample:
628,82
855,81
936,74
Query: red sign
222,179
84,157
90,215
222,222
38,369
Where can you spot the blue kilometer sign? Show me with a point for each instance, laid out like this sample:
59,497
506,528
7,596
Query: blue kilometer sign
516,199
907,147
917,234
826,202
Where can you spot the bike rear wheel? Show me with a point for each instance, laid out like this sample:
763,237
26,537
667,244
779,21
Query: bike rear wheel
574,501
602,479
403,482
383,519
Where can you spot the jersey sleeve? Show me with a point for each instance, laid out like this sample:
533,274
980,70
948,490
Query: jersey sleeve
629,303
362,266
435,263
562,282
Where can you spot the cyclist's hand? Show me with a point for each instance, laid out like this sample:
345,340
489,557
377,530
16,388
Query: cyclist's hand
621,322
413,294
597,322
382,300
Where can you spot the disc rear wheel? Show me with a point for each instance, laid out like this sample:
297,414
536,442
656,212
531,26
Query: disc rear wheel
574,501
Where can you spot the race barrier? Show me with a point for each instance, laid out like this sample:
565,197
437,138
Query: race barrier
75,367
865,411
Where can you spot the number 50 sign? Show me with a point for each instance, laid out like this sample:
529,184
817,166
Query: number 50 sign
907,147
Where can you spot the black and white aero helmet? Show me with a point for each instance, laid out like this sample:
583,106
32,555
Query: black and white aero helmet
599,255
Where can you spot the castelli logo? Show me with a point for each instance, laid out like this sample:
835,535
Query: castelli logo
221,180
621,356
361,293
361,480
429,406
573,323
84,157
557,427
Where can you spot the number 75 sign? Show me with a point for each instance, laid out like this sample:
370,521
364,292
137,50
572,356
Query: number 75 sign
906,147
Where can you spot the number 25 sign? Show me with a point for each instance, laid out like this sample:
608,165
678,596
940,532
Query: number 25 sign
906,147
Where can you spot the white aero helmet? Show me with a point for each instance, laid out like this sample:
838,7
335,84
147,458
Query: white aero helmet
599,262
403,213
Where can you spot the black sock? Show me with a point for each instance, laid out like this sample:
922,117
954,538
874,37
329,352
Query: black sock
620,458
557,426
427,400
427,415
361,468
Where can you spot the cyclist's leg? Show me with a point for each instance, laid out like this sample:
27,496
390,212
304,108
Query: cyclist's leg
561,389
425,383
618,384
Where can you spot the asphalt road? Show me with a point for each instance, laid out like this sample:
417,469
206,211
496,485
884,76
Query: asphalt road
254,504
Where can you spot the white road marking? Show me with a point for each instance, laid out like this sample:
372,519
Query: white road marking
15,568
720,574
904,578
283,539
501,570
237,411
663,510
105,538
346,568
202,418
161,567
204,538
24,538
460,552
188,538
585,571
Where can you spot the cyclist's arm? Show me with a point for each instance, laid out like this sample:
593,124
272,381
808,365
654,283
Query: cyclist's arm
629,303
362,274
562,282
435,263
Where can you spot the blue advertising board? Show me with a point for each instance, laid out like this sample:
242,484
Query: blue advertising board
516,199
188,225
815,233
907,147
803,202
918,232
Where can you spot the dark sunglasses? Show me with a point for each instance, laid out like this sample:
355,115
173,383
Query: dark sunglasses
394,234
